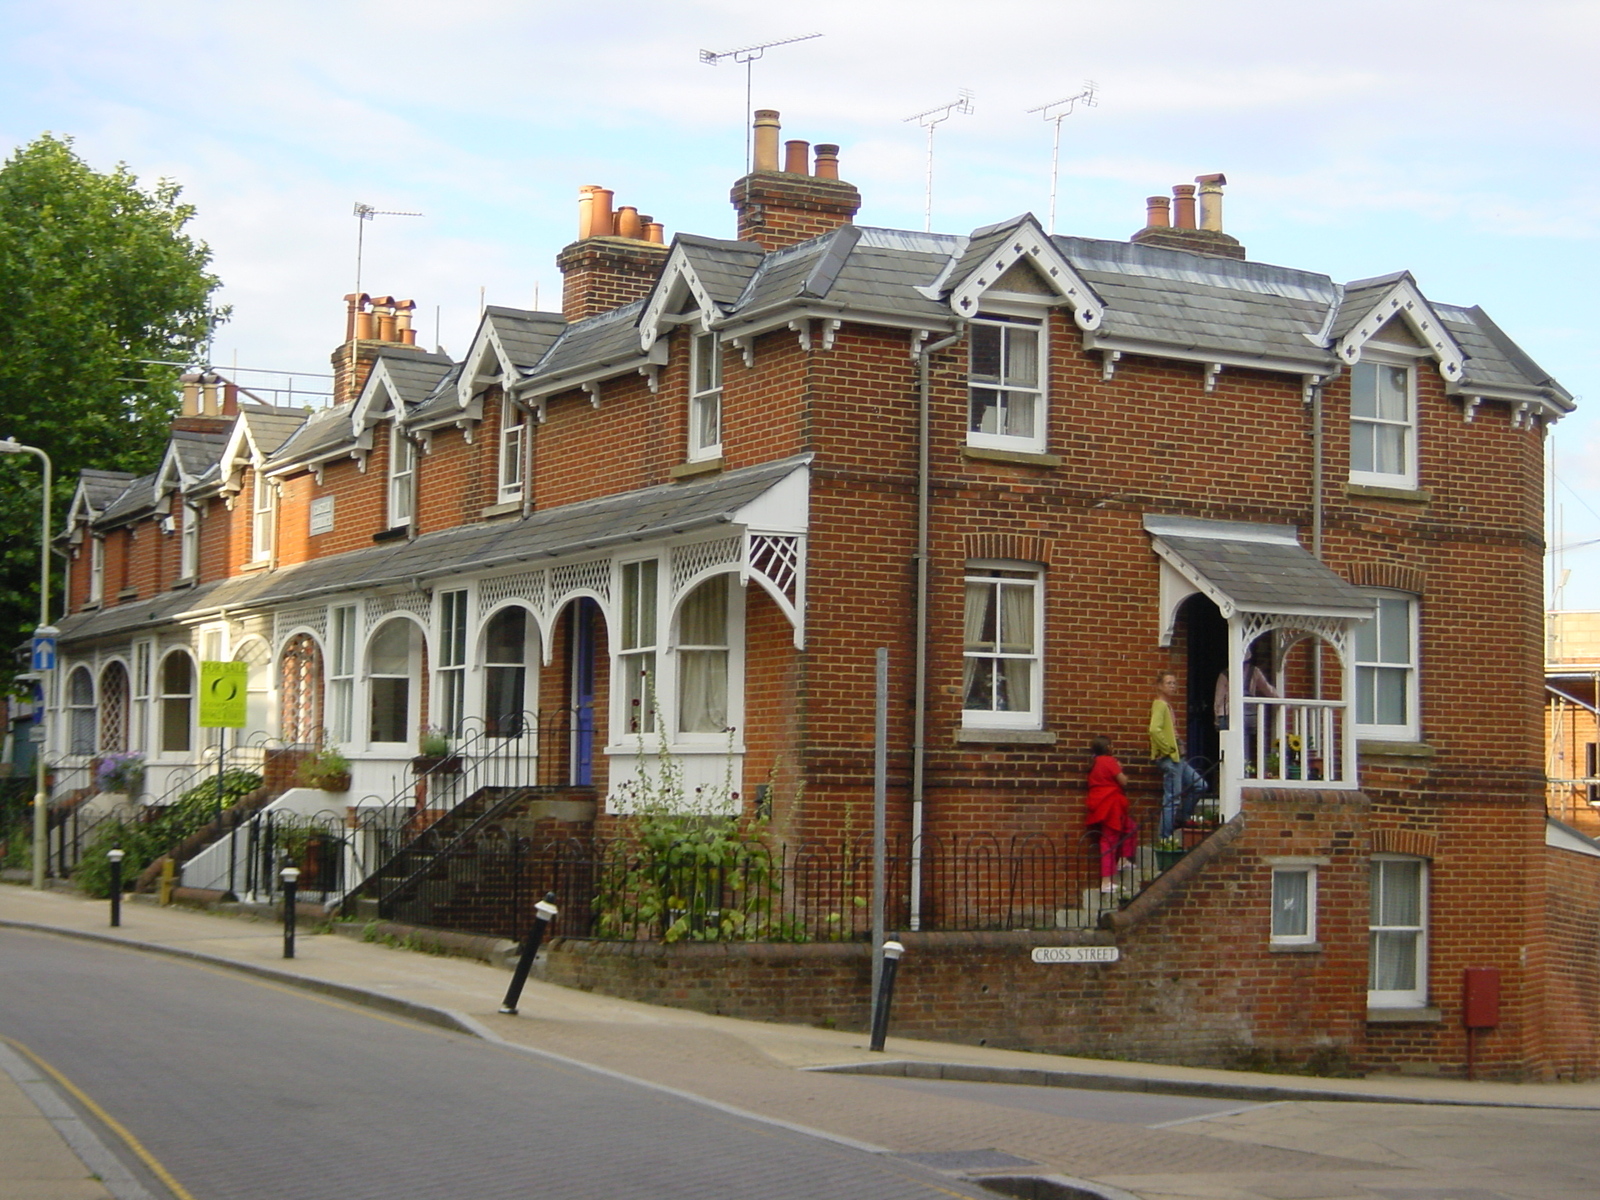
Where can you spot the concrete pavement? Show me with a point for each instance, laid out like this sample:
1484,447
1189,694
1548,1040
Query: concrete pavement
1318,1139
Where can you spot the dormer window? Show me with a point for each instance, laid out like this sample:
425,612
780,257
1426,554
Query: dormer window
513,449
189,543
402,470
1006,399
705,397
264,517
1383,424
97,569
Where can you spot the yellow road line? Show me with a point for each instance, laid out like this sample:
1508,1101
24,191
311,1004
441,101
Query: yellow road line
106,1119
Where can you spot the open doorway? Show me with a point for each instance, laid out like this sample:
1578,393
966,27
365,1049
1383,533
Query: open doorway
1205,636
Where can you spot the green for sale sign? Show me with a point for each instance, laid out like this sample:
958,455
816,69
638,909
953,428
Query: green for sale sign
223,696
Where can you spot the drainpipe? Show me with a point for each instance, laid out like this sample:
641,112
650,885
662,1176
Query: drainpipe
1314,386
528,426
919,722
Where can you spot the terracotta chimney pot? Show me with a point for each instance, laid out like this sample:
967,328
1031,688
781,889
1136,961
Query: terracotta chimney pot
586,209
827,161
602,223
1158,214
1183,204
797,157
355,302
383,310
654,231
208,395
628,224
1211,200
766,140
191,395
402,322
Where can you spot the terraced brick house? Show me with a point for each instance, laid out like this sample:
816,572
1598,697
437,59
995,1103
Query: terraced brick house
675,521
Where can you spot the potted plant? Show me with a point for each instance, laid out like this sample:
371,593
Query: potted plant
1168,851
327,769
121,772
435,753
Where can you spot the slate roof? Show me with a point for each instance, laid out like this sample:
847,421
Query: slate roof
270,427
1494,361
198,453
610,339
135,500
101,488
324,432
525,335
722,267
572,529
1261,568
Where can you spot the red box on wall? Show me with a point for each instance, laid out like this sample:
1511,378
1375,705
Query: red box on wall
1480,1008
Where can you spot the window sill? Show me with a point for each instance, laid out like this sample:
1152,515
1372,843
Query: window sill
507,509
1404,1016
703,466
392,534
187,582
261,564
1005,737
128,594
1381,749
1371,491
1019,458
91,606
1294,947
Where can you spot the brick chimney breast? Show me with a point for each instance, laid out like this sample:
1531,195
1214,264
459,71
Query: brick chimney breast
617,258
778,208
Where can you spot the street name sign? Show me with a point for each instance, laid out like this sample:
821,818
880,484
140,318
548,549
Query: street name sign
1076,954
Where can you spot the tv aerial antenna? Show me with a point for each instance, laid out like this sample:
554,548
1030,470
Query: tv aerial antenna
931,119
748,55
1058,111
364,213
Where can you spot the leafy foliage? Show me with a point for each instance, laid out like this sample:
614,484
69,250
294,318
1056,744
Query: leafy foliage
101,286
145,840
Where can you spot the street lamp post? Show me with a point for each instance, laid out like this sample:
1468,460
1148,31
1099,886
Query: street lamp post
41,814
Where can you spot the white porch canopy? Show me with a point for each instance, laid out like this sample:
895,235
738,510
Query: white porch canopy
1264,581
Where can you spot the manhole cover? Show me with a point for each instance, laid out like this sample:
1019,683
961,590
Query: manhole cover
970,1160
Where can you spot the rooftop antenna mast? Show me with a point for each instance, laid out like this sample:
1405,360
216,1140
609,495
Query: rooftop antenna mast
1063,110
363,214
930,120
748,55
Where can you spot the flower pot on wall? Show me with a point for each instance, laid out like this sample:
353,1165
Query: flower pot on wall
437,764
1167,859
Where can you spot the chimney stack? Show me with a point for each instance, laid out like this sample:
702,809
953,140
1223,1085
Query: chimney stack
778,208
372,325
1181,231
616,259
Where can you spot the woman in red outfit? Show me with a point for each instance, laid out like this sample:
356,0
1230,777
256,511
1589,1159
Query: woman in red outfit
1108,815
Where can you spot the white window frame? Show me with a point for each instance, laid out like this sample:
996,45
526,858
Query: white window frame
402,470
1012,317
189,542
97,569
1000,575
526,662
263,517
1409,730
139,686
450,676
513,450
1375,361
413,691
1281,923
341,671
732,650
636,695
706,356
1415,997
167,699
83,717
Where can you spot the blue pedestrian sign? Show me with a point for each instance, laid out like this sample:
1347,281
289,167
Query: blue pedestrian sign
44,648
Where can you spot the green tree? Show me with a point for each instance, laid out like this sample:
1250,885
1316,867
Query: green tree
101,286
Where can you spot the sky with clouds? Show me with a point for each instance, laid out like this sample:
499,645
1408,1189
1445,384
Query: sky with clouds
1452,138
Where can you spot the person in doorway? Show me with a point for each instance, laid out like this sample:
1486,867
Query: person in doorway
1108,817
1181,784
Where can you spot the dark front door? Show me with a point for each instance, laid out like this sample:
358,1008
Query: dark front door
582,617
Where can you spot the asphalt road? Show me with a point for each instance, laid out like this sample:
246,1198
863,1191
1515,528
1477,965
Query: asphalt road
244,1089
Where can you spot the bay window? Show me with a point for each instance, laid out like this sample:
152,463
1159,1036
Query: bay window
703,658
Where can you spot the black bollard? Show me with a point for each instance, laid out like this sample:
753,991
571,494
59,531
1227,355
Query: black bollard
543,913
880,1009
114,857
291,884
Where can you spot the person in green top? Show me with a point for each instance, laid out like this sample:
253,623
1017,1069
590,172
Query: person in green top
1181,784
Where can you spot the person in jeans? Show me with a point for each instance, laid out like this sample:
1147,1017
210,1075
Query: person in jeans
1181,784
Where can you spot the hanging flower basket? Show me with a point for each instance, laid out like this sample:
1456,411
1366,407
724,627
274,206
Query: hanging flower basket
437,764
